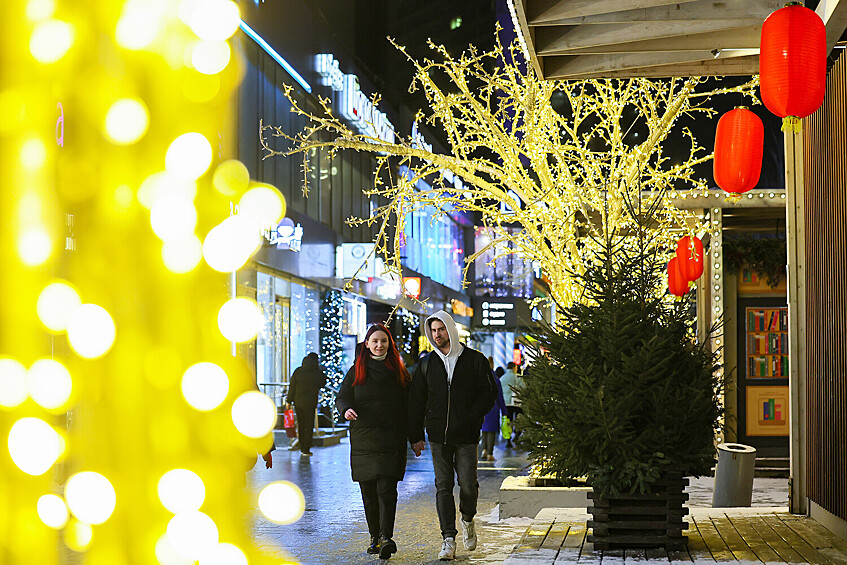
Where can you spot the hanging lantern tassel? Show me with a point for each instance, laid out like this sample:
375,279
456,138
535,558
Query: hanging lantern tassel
689,255
676,282
792,64
739,144
791,124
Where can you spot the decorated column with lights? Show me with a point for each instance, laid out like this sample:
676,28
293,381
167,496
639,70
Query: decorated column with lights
715,289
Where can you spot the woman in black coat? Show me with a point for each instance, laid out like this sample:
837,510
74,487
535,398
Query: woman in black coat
374,397
303,392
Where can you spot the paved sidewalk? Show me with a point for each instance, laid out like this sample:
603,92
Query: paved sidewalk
748,535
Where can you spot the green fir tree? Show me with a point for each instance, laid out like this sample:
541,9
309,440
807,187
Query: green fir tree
620,389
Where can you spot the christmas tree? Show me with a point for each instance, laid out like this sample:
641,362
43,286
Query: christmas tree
331,348
621,389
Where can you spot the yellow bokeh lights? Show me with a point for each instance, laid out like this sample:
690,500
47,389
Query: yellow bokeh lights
163,183
182,255
51,40
192,534
78,535
91,331
189,156
34,445
224,554
204,386
52,511
173,217
230,244
231,177
33,153
282,502
167,555
263,204
254,414
37,10
126,121
56,303
210,57
181,490
90,497
13,383
240,319
49,384
34,246
139,24
215,20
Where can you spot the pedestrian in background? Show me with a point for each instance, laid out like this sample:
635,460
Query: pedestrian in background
374,398
452,391
512,385
491,422
306,383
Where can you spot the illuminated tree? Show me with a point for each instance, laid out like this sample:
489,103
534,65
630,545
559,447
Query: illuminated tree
560,174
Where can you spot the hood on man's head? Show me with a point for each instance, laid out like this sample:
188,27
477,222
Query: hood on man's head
452,331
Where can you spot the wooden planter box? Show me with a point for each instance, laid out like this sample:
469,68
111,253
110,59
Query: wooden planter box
641,520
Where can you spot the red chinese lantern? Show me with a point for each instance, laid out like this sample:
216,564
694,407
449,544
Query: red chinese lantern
739,143
689,253
792,63
676,282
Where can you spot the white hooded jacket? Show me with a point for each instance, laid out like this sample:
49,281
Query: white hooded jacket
455,347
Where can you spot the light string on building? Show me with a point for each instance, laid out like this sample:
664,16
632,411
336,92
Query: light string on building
332,347
563,179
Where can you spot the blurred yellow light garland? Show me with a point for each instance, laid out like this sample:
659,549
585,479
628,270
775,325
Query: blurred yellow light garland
106,112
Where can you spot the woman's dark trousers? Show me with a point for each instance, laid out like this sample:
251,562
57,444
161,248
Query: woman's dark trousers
380,500
305,425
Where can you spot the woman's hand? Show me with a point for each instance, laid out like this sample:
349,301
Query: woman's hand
350,414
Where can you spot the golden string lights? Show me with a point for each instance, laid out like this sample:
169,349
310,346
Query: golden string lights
560,175
127,423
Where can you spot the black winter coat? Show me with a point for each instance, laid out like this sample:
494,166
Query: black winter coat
453,412
378,436
306,383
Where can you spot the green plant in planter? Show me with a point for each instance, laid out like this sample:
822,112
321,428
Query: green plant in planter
620,391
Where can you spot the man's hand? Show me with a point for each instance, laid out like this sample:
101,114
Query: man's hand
350,414
418,448
269,460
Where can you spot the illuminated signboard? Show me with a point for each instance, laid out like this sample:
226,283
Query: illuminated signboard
412,286
500,313
353,104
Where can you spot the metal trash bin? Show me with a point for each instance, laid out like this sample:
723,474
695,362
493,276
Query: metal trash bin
734,475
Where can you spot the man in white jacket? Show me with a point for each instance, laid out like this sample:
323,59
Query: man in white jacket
451,392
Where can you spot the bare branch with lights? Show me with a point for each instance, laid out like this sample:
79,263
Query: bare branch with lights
564,175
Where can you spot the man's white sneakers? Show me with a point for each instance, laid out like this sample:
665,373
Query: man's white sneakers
448,550
469,534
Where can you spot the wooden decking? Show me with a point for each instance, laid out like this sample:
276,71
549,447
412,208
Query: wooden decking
752,535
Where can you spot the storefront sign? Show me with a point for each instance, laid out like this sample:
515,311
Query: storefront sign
412,286
353,104
286,235
505,313
355,260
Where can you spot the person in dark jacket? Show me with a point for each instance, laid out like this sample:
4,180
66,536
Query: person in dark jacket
374,399
452,390
491,423
306,383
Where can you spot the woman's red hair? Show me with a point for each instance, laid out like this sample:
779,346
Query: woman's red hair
392,358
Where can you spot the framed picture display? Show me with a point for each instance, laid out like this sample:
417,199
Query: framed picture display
767,410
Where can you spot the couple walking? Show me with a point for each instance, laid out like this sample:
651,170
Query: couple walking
449,394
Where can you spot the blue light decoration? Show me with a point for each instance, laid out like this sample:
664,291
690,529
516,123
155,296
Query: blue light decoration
331,350
275,56
409,330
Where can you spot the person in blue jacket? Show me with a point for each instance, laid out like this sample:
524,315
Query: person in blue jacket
491,423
